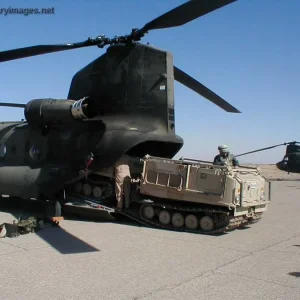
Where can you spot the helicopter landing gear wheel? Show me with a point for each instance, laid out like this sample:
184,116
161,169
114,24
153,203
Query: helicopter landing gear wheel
148,212
78,187
87,189
164,217
177,220
206,223
97,192
191,222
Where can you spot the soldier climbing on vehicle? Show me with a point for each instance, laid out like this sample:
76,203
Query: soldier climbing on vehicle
225,157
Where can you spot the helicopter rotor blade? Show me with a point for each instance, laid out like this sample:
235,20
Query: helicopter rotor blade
185,13
176,17
44,49
202,90
268,148
13,104
258,150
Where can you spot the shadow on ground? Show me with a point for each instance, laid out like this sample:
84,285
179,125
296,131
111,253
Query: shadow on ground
65,242
60,239
57,237
295,274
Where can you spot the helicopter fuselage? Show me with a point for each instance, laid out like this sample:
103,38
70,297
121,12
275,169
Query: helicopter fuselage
123,102
41,161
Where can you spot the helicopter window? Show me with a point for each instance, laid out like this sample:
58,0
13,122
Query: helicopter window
35,153
2,150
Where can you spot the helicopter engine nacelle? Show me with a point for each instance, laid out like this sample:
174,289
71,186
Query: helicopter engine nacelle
58,111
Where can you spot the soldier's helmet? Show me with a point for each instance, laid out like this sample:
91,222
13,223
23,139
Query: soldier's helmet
223,148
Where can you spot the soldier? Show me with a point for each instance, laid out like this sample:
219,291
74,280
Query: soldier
123,180
225,157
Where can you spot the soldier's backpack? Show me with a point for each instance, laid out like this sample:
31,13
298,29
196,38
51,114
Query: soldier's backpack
28,225
32,224
9,230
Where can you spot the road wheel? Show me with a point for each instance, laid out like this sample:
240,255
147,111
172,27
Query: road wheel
78,187
97,192
164,217
148,212
191,222
177,220
206,223
87,189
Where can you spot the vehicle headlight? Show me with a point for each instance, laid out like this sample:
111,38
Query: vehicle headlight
237,200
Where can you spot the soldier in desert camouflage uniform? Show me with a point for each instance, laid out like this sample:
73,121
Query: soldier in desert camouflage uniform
225,157
123,180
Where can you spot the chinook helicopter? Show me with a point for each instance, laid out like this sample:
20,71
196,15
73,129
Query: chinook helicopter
291,160
122,102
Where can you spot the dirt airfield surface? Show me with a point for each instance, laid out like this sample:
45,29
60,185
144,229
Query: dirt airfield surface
100,259
272,173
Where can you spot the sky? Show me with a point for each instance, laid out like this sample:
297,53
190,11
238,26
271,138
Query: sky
248,52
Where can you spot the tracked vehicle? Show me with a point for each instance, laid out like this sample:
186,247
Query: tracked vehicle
187,195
